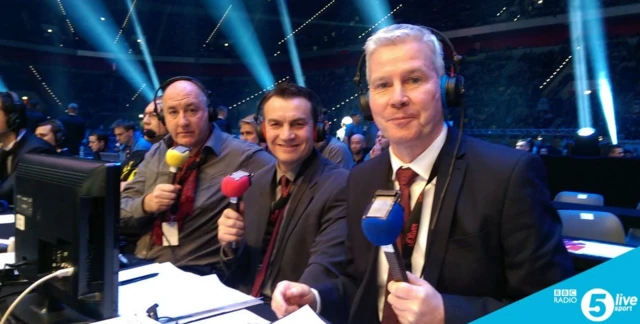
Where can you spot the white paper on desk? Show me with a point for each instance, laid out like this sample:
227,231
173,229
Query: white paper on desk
9,257
128,320
303,315
177,293
242,316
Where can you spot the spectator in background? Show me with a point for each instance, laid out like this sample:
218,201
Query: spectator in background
356,127
331,148
16,141
34,116
75,127
524,144
357,145
54,133
128,138
249,131
98,142
616,151
382,144
222,119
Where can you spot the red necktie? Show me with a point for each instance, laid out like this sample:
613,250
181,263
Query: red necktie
276,220
405,177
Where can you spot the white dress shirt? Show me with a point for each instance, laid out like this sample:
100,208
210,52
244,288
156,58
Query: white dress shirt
422,165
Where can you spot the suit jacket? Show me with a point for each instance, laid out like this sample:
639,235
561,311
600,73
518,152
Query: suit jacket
75,128
29,143
497,238
223,125
310,244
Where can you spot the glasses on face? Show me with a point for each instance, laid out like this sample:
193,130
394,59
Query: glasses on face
150,115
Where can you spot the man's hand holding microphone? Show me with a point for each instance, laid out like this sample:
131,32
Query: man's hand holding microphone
231,222
165,195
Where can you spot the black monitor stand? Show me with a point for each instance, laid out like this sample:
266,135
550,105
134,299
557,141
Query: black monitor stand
37,308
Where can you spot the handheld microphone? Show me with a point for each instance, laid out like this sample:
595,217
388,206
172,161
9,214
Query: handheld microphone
176,157
382,223
234,186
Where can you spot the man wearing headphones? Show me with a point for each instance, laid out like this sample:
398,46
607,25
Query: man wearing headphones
178,212
479,230
53,132
292,226
16,141
249,131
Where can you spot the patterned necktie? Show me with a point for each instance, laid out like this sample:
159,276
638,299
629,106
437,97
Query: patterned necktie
274,223
405,177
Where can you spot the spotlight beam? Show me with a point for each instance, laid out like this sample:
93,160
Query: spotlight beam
580,72
238,28
291,42
143,45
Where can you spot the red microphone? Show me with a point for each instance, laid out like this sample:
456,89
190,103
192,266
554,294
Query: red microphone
233,187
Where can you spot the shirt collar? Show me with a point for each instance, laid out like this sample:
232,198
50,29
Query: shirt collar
12,144
423,164
291,175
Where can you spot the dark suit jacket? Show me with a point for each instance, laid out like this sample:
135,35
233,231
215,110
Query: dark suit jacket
310,245
496,240
34,118
75,128
223,125
29,143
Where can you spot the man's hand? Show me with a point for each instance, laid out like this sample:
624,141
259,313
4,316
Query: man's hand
416,302
161,198
375,151
289,296
231,225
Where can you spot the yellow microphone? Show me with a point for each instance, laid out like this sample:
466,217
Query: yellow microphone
176,157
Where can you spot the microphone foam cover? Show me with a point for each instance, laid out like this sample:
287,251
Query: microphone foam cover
235,187
385,231
175,158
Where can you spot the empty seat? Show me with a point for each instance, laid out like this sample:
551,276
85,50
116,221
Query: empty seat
593,225
580,198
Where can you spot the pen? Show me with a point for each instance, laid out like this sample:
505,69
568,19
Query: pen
133,280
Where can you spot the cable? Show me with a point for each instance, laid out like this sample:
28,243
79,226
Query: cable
60,273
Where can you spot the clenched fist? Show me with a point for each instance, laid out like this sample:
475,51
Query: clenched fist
231,225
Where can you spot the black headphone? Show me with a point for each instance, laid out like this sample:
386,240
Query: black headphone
451,86
319,134
58,130
213,113
15,111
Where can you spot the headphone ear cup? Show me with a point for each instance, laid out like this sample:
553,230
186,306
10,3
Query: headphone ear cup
365,109
262,133
451,91
319,134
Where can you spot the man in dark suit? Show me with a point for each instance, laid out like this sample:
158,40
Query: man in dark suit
221,121
496,238
34,116
277,238
16,141
75,127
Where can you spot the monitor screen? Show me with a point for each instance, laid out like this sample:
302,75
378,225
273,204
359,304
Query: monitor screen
67,212
595,249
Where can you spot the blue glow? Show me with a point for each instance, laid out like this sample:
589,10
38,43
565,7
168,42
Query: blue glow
372,11
101,34
3,87
291,42
579,56
143,46
600,69
586,131
238,29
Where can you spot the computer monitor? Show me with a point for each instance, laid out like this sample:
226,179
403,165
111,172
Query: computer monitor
109,157
67,212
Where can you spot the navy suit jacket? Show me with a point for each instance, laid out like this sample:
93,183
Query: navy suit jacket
497,238
310,244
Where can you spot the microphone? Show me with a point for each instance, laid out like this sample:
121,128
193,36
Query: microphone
233,187
150,134
382,223
176,157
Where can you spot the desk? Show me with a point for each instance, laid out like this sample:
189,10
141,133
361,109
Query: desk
629,217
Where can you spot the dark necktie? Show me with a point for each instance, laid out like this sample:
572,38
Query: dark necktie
405,177
273,227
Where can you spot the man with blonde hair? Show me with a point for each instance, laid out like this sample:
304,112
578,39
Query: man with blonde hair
495,239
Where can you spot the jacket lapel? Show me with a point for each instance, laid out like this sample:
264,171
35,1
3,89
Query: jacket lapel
441,222
261,201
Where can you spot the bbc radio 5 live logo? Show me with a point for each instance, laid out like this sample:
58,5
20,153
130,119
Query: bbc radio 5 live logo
597,304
